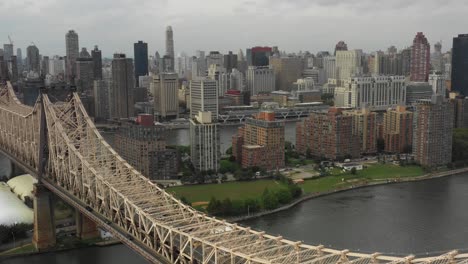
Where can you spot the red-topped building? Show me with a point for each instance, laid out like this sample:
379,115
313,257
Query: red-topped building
260,142
420,59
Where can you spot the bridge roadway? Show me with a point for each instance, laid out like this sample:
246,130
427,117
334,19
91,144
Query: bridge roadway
86,172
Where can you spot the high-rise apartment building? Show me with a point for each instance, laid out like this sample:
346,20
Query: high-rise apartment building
214,58
101,100
45,66
329,67
72,52
204,97
398,130
260,142
260,79
7,51
230,61
287,70
84,74
432,134
97,63
376,93
406,62
416,91
143,145
365,127
165,93
460,104
328,134
204,142
348,64
460,64
420,58
34,63
19,59
437,81
170,48
340,46
437,59
260,56
140,50
123,84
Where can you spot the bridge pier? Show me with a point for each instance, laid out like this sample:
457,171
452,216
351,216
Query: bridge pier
85,227
44,224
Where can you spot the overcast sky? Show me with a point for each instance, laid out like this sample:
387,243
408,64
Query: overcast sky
292,25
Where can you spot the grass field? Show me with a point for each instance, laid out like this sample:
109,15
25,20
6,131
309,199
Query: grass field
232,190
201,194
372,173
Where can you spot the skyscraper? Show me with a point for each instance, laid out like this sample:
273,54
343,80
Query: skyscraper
121,92
460,64
204,97
165,92
97,63
341,45
230,61
348,64
140,50
45,65
84,74
287,71
261,55
432,136
420,58
204,142
260,79
170,47
7,51
19,59
33,59
72,52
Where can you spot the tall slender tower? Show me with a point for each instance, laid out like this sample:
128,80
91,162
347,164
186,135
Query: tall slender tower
123,84
460,64
140,50
72,50
170,46
420,58
97,63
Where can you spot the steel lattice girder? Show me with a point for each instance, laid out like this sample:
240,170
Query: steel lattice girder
84,164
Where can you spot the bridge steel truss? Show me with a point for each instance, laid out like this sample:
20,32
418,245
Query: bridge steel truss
83,165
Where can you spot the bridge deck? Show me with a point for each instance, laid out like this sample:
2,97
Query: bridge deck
87,173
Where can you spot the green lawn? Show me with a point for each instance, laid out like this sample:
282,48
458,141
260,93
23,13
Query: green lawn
29,248
372,173
232,190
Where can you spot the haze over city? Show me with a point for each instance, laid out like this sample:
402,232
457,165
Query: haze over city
230,25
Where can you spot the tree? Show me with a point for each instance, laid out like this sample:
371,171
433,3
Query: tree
295,190
380,145
214,206
308,153
229,151
354,171
269,200
226,207
284,196
184,200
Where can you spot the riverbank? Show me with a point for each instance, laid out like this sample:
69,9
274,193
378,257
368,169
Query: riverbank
364,184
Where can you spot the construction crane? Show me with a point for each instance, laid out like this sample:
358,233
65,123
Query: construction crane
11,41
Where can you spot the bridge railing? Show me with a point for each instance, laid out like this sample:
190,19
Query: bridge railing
83,164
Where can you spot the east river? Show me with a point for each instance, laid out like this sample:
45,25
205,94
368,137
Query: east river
406,218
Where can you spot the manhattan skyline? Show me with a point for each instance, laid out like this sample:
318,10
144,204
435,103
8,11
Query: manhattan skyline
223,25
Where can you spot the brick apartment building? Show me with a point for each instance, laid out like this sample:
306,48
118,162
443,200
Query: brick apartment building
328,134
260,142
398,130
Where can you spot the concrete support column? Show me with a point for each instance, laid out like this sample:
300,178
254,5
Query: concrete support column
85,227
44,224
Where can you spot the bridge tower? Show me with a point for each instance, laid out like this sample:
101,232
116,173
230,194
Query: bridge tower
85,227
44,224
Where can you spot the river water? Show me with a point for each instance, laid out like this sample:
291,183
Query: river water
182,136
419,217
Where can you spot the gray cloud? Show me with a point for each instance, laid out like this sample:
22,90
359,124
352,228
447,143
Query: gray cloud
293,25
